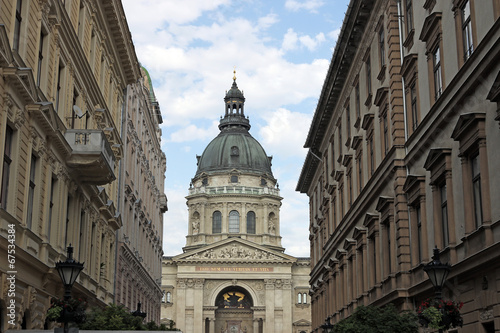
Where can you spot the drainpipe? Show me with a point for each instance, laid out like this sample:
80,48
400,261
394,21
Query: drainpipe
401,54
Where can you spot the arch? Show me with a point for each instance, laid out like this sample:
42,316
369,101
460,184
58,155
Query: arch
234,222
234,297
251,222
216,222
217,290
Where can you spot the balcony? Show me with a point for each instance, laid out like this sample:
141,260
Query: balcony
92,160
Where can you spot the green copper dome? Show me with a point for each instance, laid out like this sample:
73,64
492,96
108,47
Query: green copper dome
234,147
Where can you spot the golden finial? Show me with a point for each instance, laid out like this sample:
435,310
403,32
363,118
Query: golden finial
234,72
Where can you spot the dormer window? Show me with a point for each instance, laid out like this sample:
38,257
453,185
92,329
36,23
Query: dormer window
234,179
204,181
235,151
263,182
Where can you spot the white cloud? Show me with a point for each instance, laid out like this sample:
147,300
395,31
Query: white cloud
286,132
194,133
312,43
175,221
309,5
290,40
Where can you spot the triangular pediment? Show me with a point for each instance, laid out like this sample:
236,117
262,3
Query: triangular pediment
235,250
302,322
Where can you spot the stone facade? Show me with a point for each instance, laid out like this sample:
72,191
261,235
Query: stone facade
402,159
64,67
234,275
143,203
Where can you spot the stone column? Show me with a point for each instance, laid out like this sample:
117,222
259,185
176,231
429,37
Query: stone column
181,304
198,324
269,324
287,303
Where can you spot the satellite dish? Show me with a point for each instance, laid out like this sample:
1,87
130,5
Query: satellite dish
77,111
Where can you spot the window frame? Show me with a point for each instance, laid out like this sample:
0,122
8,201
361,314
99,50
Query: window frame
251,225
6,168
216,222
234,222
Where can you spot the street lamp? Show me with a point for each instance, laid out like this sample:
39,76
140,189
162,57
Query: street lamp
327,326
138,312
68,271
437,272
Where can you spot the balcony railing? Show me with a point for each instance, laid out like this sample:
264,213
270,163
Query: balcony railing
92,159
234,190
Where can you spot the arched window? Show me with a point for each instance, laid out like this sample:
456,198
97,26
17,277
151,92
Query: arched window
216,222
299,298
251,223
234,222
164,297
169,297
304,298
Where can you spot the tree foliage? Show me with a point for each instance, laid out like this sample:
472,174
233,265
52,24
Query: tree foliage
118,318
371,319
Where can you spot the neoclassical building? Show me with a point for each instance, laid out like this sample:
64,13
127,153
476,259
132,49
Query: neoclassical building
234,275
142,203
403,149
65,71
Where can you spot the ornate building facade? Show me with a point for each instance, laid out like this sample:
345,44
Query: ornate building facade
64,71
138,277
402,153
234,275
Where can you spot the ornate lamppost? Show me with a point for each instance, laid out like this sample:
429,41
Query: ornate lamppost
438,273
68,271
327,326
138,312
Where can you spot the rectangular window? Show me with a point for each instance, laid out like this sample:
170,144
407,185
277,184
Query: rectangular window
360,173
386,132
413,99
381,43
348,121
51,207
438,83
40,59
31,192
17,25
409,16
371,155
68,208
467,31
358,105
387,245
349,180
418,214
81,235
58,88
333,155
368,76
476,190
339,128
444,215
7,160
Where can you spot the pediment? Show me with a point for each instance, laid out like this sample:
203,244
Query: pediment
302,322
235,250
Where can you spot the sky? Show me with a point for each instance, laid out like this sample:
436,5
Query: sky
280,49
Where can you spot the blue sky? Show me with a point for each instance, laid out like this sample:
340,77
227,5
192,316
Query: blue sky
281,51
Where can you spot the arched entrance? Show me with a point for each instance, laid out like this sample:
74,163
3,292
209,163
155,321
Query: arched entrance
234,312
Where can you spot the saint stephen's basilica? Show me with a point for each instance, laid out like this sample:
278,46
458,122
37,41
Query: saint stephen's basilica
234,275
